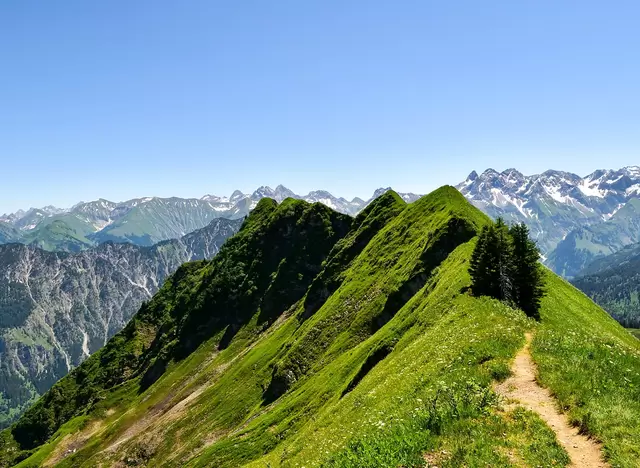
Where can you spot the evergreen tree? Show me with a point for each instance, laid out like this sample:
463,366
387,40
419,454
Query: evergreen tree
504,265
527,272
480,267
491,263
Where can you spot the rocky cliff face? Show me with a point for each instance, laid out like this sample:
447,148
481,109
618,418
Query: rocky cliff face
57,308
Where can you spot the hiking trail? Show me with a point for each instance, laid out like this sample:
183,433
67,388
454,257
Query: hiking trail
522,389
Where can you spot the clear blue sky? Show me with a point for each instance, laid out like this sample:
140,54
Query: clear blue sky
120,99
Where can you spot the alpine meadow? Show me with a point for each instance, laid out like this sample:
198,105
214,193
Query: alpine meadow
319,234
317,339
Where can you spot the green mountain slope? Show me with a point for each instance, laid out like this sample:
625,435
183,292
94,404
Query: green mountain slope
65,233
148,221
143,222
614,283
584,245
314,339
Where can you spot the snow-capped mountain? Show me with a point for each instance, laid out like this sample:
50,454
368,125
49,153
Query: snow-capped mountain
145,221
407,197
555,203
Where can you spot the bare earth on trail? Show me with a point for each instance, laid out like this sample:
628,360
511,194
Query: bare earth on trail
522,389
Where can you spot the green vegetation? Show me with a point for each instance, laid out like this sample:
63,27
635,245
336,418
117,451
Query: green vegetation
592,366
613,282
162,329
504,265
64,233
314,339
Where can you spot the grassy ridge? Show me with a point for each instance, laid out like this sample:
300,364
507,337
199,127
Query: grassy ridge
592,365
366,350
433,384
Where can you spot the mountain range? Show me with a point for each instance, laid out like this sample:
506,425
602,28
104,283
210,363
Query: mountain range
57,308
54,314
316,339
574,219
146,221
73,278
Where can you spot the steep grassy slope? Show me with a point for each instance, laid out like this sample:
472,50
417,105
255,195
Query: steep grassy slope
313,339
592,365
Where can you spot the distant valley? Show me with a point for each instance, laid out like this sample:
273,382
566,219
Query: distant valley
614,283
57,308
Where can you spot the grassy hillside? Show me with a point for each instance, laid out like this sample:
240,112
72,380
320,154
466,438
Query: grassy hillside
60,233
592,365
314,339
148,221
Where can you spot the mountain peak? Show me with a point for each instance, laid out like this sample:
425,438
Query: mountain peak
263,192
380,191
632,171
319,193
236,195
489,172
512,172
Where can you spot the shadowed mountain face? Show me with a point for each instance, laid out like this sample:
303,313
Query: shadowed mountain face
614,283
58,308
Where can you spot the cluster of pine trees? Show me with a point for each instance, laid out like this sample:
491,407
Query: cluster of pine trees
504,265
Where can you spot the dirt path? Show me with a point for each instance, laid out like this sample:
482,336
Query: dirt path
522,389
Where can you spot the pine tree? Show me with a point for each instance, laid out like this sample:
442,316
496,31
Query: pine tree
504,265
491,263
527,272
504,262
480,267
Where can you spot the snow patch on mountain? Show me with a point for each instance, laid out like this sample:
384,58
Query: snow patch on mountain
554,202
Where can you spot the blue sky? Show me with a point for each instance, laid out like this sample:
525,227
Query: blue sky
122,99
